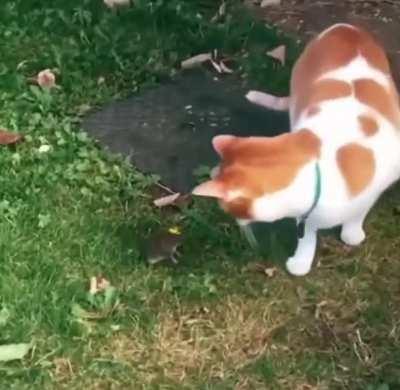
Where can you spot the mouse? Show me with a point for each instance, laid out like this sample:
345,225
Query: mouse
164,245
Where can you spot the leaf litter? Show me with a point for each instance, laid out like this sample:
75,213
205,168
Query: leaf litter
102,298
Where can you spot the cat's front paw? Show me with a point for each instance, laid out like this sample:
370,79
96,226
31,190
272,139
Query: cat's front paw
298,266
352,236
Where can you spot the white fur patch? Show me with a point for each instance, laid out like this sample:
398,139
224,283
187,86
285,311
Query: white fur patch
357,69
337,124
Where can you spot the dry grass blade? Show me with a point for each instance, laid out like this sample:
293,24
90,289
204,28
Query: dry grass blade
231,335
98,284
362,350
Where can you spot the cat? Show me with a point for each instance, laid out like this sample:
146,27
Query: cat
342,153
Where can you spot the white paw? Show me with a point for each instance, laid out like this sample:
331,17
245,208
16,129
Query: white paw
352,237
298,267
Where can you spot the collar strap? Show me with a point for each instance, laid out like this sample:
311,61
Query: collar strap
317,193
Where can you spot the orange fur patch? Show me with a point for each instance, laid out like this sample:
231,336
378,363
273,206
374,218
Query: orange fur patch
369,126
375,95
334,49
239,207
357,165
257,166
323,90
222,142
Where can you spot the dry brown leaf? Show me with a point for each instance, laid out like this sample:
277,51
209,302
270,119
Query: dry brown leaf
116,3
98,284
8,138
166,200
263,268
196,60
270,271
268,3
46,79
279,53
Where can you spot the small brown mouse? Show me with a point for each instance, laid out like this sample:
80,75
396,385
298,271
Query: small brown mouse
164,245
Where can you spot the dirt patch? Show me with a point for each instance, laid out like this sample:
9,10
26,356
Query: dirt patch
200,343
307,18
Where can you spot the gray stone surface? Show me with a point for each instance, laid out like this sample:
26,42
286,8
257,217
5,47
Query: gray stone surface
167,130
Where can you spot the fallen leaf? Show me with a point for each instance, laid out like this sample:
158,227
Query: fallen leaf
196,60
268,3
46,79
102,296
13,351
279,53
98,284
270,272
166,200
116,3
8,138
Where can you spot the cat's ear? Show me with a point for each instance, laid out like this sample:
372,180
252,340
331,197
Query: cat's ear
211,188
221,142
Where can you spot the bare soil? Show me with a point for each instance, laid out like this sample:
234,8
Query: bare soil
305,18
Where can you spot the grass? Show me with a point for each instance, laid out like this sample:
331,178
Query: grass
75,212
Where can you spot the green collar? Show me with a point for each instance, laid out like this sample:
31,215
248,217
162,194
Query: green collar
317,195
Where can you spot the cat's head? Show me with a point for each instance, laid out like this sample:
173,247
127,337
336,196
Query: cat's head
256,179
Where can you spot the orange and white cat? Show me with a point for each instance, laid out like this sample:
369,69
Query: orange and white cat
342,153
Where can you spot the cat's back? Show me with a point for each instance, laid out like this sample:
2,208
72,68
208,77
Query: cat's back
343,79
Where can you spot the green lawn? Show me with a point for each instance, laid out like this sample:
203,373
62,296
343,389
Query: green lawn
74,212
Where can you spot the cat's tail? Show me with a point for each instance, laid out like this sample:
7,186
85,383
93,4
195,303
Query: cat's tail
269,101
